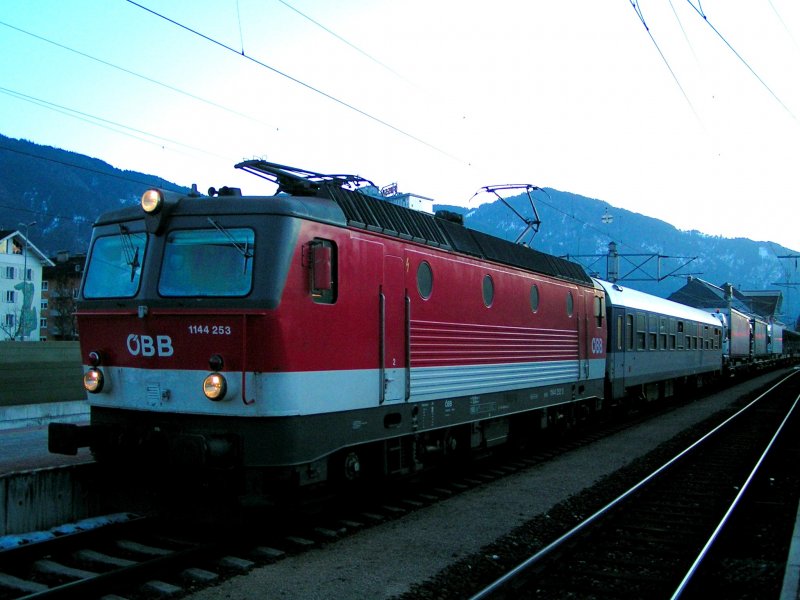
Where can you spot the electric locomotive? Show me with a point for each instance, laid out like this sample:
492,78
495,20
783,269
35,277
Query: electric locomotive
322,333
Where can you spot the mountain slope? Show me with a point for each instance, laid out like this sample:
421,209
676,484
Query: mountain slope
64,192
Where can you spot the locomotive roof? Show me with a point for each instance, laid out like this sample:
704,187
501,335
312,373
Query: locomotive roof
365,212
373,214
326,201
629,298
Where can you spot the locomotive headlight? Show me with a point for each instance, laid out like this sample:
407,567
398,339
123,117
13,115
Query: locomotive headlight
93,381
152,200
215,387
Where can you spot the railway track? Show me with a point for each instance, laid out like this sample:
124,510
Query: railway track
691,527
127,553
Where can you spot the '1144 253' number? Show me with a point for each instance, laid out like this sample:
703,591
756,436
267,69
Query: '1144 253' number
210,329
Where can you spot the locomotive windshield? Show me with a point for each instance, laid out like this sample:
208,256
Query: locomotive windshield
115,265
207,262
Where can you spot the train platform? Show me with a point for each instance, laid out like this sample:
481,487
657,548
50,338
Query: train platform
25,449
791,579
23,435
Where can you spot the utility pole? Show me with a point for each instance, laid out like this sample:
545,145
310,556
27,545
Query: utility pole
639,266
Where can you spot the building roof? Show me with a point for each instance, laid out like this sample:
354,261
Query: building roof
22,240
65,264
702,294
765,302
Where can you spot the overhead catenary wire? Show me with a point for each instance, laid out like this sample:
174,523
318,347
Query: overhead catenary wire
638,10
135,74
783,24
343,40
683,31
699,10
655,32
300,82
106,123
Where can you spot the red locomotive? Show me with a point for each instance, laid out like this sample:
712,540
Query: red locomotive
322,333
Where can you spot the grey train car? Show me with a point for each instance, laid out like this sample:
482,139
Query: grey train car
655,344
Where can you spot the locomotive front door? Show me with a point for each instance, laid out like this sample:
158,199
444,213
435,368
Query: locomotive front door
393,330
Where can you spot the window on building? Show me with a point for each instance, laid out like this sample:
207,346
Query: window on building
43,323
10,273
11,296
10,321
44,305
45,286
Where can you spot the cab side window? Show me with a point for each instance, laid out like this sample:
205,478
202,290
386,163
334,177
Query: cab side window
323,272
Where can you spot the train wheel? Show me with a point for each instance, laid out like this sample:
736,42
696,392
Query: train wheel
351,467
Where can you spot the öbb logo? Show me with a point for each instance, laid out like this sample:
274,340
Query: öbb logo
145,345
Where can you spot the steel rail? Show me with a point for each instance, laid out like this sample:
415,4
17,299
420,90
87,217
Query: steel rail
572,533
696,564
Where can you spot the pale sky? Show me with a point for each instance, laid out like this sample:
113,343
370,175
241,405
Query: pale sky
442,97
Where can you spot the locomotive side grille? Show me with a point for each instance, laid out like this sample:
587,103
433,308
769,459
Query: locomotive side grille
379,215
438,343
448,358
373,214
521,256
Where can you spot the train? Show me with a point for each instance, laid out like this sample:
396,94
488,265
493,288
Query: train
326,335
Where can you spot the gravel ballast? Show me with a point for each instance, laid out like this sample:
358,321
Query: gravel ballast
394,558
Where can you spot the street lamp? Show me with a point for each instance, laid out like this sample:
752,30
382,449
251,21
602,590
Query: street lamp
22,312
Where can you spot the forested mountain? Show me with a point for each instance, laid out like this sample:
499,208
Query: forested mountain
654,256
63,192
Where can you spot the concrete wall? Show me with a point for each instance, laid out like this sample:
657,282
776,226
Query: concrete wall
40,372
37,500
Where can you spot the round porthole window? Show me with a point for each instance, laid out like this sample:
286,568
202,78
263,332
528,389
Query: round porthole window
488,290
534,297
570,304
424,280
